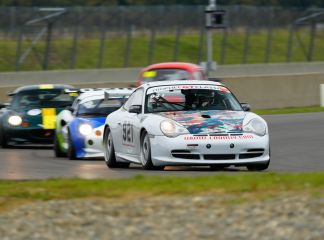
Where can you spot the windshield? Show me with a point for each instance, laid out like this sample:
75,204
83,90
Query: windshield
165,74
42,98
99,107
190,98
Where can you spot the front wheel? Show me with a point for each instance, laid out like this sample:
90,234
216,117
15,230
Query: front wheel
110,157
57,150
3,140
71,149
146,158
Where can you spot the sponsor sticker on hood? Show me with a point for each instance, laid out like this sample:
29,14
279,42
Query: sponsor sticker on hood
209,122
34,112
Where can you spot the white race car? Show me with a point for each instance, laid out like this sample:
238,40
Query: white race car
185,123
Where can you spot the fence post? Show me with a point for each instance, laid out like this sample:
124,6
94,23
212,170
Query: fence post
102,48
74,46
246,45
223,46
18,50
312,42
48,45
269,46
12,19
102,41
290,43
201,44
151,46
128,46
269,39
176,46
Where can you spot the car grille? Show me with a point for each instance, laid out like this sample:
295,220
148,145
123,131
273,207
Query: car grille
42,134
219,156
184,154
252,153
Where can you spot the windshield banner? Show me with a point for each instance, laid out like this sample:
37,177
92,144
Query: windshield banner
186,87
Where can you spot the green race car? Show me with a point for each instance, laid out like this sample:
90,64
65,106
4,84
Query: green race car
31,114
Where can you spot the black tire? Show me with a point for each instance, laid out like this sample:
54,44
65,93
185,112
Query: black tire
71,149
57,150
146,158
109,152
3,140
259,166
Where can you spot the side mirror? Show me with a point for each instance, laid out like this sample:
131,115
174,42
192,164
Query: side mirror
4,105
135,109
246,107
69,108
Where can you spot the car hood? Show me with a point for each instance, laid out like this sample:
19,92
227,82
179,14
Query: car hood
95,122
209,122
35,116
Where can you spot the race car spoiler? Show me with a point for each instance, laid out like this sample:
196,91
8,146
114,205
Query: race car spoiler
83,90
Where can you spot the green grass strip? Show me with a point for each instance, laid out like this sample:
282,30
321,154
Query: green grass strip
152,186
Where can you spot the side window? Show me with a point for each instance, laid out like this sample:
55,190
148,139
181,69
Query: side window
75,108
138,97
135,99
129,101
197,75
75,104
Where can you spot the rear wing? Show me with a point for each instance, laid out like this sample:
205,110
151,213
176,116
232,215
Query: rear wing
117,91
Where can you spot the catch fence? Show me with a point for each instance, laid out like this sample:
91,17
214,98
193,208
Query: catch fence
136,36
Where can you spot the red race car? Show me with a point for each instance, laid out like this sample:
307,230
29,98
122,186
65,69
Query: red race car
171,71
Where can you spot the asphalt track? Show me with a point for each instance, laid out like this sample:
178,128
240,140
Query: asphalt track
297,145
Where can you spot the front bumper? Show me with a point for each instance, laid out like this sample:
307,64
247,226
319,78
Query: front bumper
29,135
93,147
210,150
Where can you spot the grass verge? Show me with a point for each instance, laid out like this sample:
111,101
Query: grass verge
289,110
14,193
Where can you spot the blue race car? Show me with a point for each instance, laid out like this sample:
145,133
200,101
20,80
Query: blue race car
81,135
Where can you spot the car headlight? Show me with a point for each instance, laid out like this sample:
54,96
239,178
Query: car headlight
85,129
255,126
15,120
171,129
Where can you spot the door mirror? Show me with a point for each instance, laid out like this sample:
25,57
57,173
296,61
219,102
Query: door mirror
135,109
246,107
4,105
69,108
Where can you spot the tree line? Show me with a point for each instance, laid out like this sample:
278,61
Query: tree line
47,3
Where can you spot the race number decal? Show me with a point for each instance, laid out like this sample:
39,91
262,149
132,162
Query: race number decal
128,134
49,118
